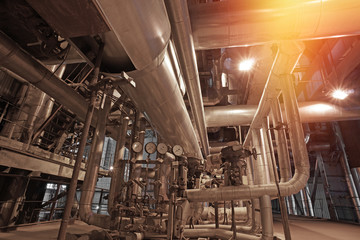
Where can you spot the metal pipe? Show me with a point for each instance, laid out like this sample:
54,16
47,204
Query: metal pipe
310,112
262,176
143,29
136,168
117,174
232,23
181,31
281,143
80,153
12,56
164,175
355,172
88,188
301,162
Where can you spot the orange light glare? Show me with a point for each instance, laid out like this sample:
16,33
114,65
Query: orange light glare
340,94
247,65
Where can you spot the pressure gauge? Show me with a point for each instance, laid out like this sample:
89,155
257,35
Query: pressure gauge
162,148
178,150
150,148
137,147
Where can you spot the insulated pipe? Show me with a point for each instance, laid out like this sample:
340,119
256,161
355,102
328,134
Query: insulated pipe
242,23
136,168
181,31
79,157
143,29
281,143
117,174
164,174
286,58
92,170
16,60
310,112
262,176
301,162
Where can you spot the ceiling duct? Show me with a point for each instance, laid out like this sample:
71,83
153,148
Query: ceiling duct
143,29
242,23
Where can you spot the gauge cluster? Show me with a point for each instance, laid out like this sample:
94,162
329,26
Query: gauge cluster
161,148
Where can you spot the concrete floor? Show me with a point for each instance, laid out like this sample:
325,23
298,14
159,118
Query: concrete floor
47,231
301,228
306,228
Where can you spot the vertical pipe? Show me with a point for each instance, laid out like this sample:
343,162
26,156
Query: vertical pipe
262,174
88,188
268,151
136,170
100,201
233,224
79,157
216,206
355,172
283,209
296,133
54,203
117,178
170,226
281,142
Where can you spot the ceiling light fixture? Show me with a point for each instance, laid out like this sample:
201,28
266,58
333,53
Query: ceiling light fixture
247,65
340,94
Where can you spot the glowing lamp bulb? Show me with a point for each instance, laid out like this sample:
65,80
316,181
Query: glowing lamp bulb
247,64
339,94
111,168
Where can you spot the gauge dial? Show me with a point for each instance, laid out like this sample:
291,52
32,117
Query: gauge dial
178,150
137,147
150,148
162,148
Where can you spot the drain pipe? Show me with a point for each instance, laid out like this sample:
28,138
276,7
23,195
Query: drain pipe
301,160
181,31
91,176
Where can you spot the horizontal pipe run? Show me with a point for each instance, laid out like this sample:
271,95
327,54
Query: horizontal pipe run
310,112
16,60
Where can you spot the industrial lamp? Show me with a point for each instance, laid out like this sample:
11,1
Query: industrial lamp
247,64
